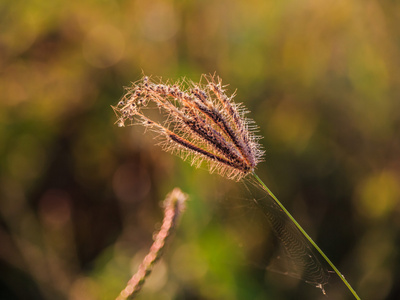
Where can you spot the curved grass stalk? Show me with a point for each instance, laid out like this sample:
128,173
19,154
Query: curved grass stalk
174,205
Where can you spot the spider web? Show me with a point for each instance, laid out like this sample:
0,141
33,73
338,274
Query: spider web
296,256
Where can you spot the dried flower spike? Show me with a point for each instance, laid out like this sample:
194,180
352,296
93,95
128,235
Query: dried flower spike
201,123
174,205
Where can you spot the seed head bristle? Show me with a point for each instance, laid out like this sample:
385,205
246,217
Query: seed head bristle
201,123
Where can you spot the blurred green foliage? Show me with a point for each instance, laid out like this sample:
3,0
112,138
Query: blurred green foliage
79,197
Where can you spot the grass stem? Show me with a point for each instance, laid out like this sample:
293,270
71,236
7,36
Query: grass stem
306,235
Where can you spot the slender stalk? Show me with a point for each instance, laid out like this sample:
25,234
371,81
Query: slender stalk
306,235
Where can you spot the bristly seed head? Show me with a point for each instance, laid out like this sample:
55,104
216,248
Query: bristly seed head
201,122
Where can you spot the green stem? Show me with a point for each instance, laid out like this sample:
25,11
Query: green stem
307,236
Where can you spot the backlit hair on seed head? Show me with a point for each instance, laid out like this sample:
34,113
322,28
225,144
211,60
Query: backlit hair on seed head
201,123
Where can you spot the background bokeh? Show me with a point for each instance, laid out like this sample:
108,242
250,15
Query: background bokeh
79,197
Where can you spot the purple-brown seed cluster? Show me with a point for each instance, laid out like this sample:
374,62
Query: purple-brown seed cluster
201,122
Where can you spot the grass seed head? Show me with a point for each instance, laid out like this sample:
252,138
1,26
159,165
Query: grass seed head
201,123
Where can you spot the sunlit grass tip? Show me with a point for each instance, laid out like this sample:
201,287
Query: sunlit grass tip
200,122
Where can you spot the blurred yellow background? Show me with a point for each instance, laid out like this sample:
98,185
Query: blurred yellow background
79,197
